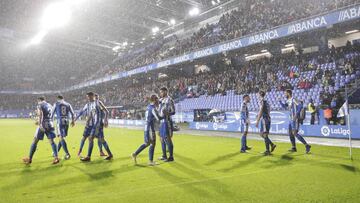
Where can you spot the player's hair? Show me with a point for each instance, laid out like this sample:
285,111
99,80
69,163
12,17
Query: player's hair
262,93
60,97
245,95
41,98
153,97
90,94
289,91
164,89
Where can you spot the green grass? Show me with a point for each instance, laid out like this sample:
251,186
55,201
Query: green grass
207,169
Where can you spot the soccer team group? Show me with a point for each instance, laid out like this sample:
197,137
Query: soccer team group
158,110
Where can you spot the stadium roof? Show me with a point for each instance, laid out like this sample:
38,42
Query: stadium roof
103,24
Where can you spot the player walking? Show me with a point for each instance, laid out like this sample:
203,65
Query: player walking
244,123
294,108
166,110
265,122
45,127
93,128
151,116
62,110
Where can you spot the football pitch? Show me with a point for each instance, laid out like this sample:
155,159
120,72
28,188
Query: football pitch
206,169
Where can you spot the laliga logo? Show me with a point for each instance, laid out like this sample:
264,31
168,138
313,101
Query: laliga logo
325,130
215,126
197,126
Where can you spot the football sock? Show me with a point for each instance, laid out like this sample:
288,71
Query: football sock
151,152
140,149
59,146
32,150
301,139
54,149
100,145
91,145
63,143
106,146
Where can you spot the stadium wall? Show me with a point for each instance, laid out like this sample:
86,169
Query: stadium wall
279,124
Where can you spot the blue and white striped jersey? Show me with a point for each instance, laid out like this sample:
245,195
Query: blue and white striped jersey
294,108
166,105
244,113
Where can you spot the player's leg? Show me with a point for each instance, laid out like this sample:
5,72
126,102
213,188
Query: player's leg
292,138
59,145
152,149
63,134
244,130
301,138
142,147
64,144
86,134
90,148
267,143
99,142
170,145
272,145
162,132
82,143
107,148
100,145
243,137
38,136
54,149
58,133
50,133
264,132
169,142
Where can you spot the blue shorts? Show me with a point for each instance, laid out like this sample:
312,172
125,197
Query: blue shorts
62,129
49,132
165,129
244,127
293,125
149,136
97,131
265,125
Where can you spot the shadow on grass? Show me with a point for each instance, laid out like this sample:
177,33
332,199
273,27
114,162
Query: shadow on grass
199,176
188,160
240,164
222,158
182,183
349,168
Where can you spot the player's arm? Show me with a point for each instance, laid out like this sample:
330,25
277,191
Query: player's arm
259,114
72,113
172,108
83,110
106,112
102,105
41,117
53,112
156,114
297,109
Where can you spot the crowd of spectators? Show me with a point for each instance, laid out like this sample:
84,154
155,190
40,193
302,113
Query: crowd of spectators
250,17
243,78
